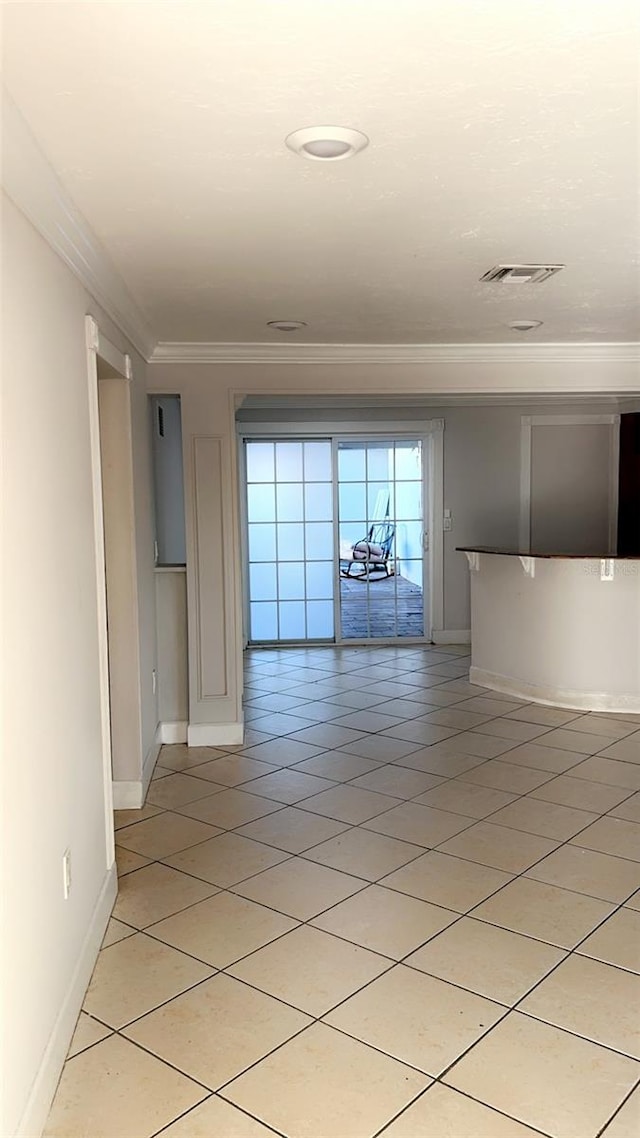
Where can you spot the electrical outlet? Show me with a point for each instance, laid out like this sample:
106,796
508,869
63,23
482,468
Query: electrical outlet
447,521
154,681
66,874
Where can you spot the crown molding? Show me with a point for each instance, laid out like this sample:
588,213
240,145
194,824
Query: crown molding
233,353
34,187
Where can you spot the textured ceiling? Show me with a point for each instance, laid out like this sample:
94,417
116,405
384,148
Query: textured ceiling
499,131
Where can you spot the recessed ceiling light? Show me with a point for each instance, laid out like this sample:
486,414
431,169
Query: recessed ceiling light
524,325
286,325
326,143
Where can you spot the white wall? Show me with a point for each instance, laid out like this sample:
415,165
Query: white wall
171,610
53,792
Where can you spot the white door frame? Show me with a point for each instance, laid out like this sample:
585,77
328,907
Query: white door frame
527,423
98,346
431,431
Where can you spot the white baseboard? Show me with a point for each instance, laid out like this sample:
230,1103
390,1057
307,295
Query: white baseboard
215,734
451,636
46,1080
127,795
131,795
174,732
620,702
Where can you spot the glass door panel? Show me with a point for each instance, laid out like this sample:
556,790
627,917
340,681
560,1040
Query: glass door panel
380,532
290,540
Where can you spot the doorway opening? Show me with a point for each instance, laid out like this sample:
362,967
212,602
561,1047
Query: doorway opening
336,538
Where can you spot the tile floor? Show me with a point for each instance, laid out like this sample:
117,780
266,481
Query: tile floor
407,906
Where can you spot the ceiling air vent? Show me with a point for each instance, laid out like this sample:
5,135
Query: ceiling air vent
521,274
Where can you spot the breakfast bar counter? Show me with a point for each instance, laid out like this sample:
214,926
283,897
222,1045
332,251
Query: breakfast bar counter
560,629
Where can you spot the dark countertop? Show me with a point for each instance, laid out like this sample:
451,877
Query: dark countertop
548,556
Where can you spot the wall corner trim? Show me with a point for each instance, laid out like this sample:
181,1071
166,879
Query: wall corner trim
46,1080
215,734
173,732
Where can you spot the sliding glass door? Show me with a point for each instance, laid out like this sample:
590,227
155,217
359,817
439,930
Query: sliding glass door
381,545
290,540
335,539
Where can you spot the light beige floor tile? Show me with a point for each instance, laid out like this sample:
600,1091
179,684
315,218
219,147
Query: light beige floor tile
335,1086
447,881
545,758
215,1117
181,758
115,1088
164,835
218,1030
547,716
499,847
293,830
505,728
612,836
634,901
160,772
626,1123
571,739
223,929
628,750
483,746
280,723
390,1014
445,764
506,776
349,804
586,871
369,720
127,861
443,1113
136,975
128,817
230,808
289,785
601,725
116,931
88,1031
591,999
423,825
415,731
464,798
385,921
310,969
464,719
327,736
299,888
227,859
617,941
610,771
339,766
546,912
580,793
559,1083
494,706
232,770
398,781
178,789
547,819
491,961
364,853
155,892
381,748
281,752
629,809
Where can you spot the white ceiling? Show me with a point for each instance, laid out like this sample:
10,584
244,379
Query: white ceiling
500,131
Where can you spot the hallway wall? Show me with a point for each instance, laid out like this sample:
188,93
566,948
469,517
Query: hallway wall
53,791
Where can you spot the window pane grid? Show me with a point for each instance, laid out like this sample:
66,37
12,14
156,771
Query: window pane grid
302,604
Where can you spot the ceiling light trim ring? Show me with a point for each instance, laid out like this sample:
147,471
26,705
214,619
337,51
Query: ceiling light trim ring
326,143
